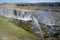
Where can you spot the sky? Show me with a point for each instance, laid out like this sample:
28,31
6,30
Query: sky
32,1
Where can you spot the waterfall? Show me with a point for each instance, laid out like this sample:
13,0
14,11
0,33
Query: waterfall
26,17
46,18
21,15
37,26
2,12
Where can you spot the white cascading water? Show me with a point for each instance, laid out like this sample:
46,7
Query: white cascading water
10,14
37,26
24,16
42,16
46,18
